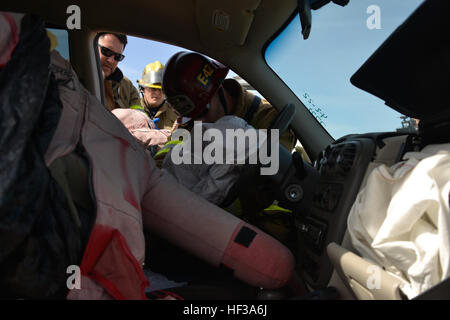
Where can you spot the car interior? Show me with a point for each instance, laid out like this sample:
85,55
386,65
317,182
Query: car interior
409,70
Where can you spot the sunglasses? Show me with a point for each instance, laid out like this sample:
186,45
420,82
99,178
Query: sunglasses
108,53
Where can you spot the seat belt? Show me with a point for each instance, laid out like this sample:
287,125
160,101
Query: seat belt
251,112
58,170
71,173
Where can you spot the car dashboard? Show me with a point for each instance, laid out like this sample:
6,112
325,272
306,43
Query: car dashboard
327,190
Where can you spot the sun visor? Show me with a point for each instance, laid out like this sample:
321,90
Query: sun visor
223,24
411,70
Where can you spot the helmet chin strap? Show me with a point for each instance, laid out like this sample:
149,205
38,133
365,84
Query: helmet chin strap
223,102
153,110
164,100
205,111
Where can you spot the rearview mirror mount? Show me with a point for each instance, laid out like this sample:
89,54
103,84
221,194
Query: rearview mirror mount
304,11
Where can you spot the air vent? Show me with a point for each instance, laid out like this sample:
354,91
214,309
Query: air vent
347,157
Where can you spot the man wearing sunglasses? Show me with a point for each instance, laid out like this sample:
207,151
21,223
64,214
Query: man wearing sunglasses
119,90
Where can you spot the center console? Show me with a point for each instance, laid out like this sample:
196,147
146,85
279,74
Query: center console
321,216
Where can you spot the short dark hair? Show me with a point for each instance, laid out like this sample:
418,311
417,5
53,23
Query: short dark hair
122,37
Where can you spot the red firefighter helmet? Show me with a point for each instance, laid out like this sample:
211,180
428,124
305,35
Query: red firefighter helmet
190,81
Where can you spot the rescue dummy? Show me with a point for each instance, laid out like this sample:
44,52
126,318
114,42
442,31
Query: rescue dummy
142,127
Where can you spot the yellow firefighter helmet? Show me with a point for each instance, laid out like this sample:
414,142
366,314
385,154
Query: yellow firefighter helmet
152,75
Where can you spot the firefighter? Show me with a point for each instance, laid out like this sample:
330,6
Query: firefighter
196,87
153,99
119,90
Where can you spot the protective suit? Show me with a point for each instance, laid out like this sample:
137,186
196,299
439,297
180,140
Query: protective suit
120,92
211,181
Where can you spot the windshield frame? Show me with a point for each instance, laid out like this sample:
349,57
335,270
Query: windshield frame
292,16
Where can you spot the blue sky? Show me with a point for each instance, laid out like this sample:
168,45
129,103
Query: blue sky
339,43
140,52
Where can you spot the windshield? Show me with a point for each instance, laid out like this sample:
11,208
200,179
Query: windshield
318,70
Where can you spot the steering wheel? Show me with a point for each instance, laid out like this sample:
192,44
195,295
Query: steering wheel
251,184
284,119
281,123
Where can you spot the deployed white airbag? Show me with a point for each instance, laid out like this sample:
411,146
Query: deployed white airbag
400,220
